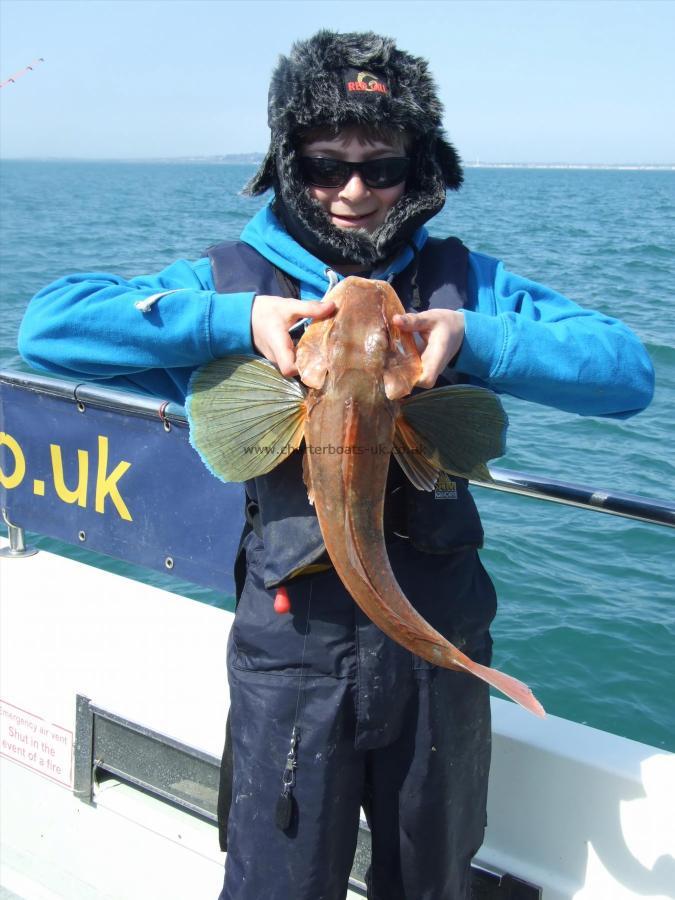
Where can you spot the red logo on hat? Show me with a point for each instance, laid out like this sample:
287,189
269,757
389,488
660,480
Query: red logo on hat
366,81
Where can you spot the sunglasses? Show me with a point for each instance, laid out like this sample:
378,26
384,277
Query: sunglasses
375,173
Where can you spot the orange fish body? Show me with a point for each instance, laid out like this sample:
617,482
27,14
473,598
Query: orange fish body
245,418
366,365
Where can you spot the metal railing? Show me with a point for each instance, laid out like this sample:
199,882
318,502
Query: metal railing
628,506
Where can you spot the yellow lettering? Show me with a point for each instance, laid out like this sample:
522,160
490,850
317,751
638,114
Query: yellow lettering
107,484
79,495
15,479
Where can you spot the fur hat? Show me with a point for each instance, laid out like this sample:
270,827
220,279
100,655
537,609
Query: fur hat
341,80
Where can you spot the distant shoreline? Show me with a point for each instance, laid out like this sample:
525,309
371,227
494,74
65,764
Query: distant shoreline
240,159
620,167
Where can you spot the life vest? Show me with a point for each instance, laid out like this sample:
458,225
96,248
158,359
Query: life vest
277,509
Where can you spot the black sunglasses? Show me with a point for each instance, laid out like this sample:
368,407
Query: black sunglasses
375,173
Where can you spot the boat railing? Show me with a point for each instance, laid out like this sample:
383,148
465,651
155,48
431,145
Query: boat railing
112,470
627,506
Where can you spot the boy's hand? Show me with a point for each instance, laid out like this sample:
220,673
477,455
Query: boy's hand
441,332
271,317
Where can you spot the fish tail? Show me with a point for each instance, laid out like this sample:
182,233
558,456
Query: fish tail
508,685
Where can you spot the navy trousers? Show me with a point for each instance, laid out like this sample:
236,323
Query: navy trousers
379,728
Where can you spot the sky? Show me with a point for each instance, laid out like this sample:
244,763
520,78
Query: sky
577,81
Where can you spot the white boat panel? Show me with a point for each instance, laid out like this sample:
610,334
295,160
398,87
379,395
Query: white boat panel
147,654
584,814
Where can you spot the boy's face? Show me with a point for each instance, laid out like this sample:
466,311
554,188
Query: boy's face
354,204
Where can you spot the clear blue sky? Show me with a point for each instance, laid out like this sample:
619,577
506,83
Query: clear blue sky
532,81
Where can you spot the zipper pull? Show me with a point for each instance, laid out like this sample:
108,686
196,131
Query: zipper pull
146,305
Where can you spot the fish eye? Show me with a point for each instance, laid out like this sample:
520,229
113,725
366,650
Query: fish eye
377,340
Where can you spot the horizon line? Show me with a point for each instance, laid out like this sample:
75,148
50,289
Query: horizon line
236,159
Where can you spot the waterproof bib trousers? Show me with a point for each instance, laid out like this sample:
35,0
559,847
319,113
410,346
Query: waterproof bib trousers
379,728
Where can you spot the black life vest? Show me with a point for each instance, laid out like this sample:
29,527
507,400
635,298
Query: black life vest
435,522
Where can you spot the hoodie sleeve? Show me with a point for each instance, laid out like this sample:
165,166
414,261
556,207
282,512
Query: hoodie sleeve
97,325
524,339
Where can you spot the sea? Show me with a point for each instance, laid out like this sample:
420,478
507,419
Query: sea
587,600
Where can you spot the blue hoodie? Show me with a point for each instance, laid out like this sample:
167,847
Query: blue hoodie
150,332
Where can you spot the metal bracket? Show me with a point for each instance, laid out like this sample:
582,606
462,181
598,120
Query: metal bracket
107,745
17,544
489,885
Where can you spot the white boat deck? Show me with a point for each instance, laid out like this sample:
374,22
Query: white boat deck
584,814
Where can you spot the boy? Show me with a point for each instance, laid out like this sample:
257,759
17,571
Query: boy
358,162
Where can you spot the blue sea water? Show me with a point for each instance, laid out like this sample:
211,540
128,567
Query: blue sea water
587,601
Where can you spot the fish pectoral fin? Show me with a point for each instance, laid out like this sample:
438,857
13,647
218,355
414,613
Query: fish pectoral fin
421,473
307,477
403,368
457,429
311,358
404,365
245,417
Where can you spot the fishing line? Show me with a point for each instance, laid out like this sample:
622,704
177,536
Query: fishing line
286,801
302,658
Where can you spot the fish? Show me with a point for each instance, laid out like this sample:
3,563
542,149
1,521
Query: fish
354,409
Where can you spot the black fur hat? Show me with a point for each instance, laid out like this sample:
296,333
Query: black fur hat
340,80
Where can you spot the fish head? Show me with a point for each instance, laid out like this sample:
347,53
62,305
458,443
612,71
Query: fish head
361,337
